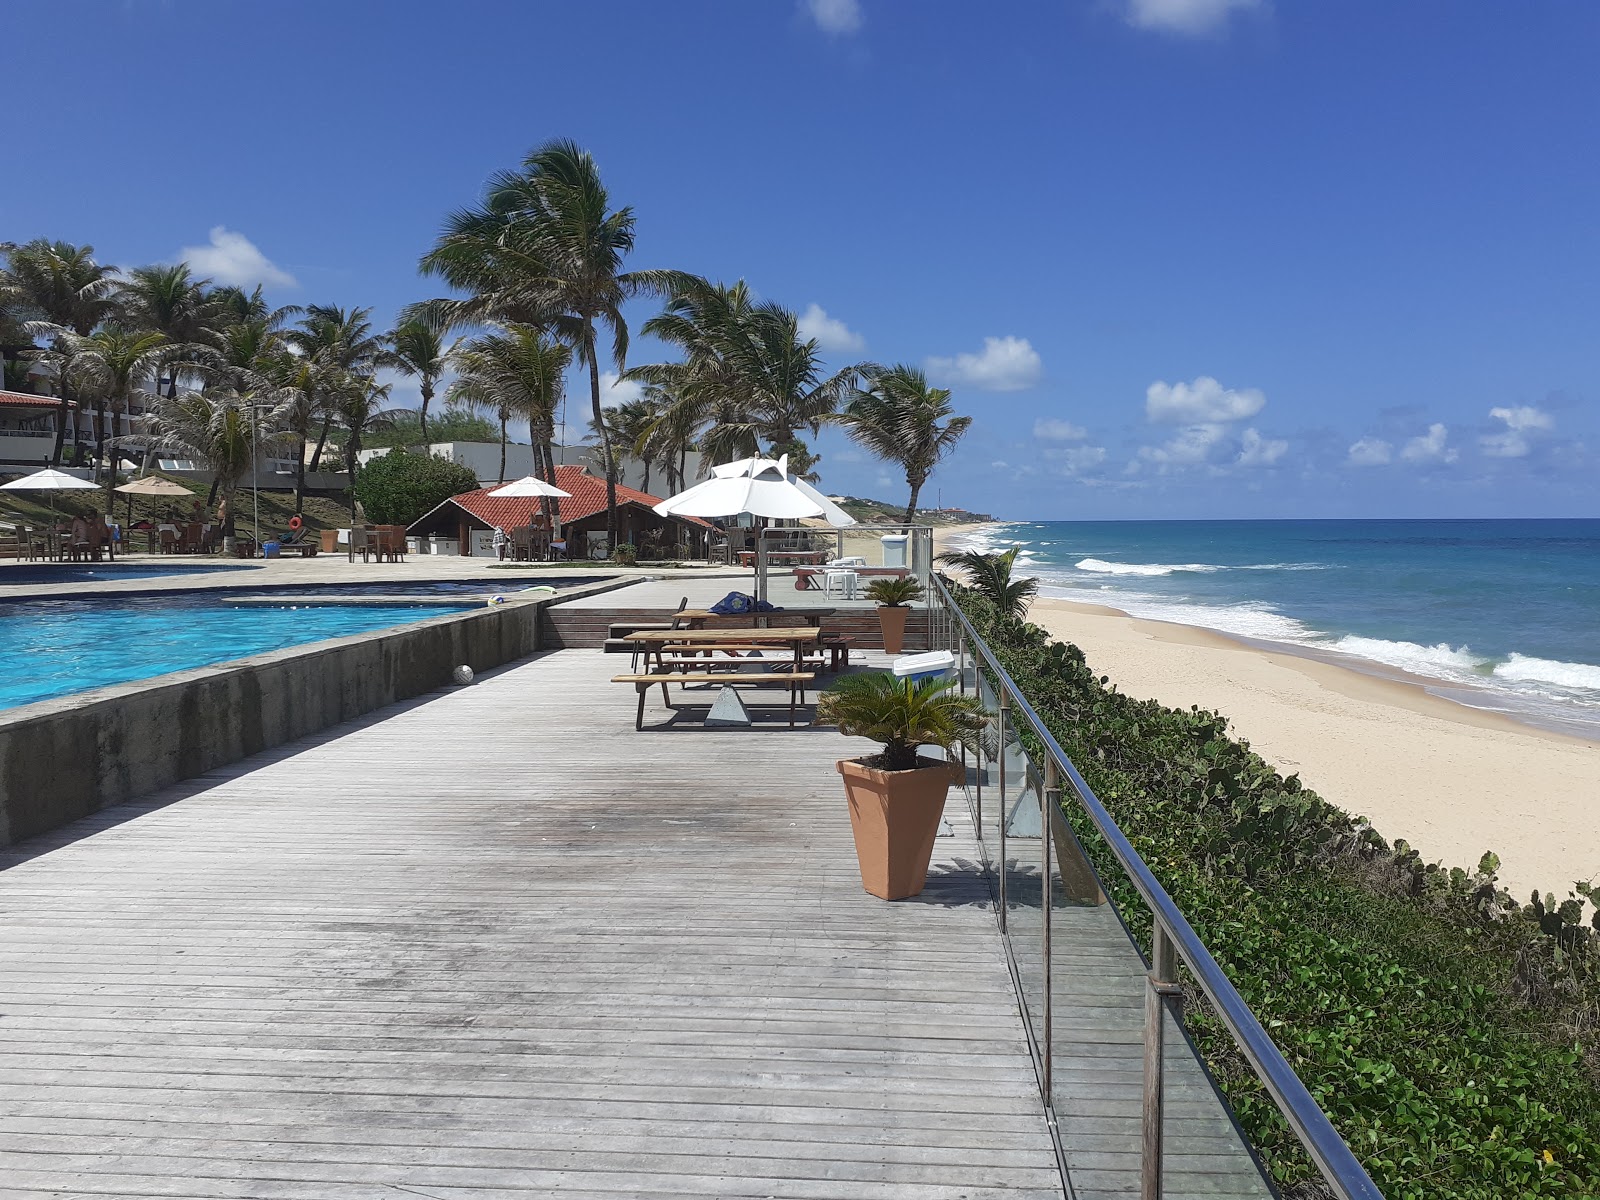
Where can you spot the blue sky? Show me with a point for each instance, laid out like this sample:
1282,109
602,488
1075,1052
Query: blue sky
1180,258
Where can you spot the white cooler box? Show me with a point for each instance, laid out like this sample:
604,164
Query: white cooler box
935,664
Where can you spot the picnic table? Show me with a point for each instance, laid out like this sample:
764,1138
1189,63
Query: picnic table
784,558
805,578
690,656
695,618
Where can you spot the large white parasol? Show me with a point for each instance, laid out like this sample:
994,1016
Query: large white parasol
528,485
761,487
52,481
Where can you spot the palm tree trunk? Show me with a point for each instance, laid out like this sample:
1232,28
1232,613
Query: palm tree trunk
322,440
299,474
422,416
62,418
605,435
502,447
911,506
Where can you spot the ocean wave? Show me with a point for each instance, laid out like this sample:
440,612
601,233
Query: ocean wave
1523,668
1440,661
1099,566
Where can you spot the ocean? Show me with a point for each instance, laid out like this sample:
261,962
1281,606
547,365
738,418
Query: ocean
1502,615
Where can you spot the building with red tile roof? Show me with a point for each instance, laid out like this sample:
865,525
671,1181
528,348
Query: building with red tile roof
581,514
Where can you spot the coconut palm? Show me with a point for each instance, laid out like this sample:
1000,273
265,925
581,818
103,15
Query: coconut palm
110,362
990,576
747,376
546,249
898,419
331,343
56,286
215,428
515,373
170,301
418,349
628,426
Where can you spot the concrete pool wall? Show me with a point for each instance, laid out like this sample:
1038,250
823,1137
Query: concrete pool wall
66,758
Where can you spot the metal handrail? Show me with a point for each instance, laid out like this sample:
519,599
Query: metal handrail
1340,1168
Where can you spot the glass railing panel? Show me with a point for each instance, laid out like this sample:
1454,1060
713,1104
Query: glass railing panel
1020,822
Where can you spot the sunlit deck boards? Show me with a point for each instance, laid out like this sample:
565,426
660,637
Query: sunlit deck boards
500,944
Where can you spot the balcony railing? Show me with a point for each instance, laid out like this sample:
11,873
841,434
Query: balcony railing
1029,802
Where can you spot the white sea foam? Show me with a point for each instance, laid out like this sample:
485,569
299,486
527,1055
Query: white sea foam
1099,566
1441,661
1523,668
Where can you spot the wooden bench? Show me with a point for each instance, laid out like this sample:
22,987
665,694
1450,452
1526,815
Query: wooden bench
796,680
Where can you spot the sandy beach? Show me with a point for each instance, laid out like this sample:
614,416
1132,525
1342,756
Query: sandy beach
1453,781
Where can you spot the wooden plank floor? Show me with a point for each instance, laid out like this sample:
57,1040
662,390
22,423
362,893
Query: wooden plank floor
499,944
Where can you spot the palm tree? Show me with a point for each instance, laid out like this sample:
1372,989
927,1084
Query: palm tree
215,428
545,249
747,376
57,286
516,373
419,350
898,419
331,343
110,362
172,302
628,426
990,576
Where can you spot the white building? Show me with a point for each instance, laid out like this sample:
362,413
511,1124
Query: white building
483,459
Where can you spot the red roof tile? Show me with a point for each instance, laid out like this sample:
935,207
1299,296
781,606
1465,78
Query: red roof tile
588,497
28,400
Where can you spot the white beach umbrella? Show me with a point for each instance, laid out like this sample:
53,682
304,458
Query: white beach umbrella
48,480
758,486
52,481
528,485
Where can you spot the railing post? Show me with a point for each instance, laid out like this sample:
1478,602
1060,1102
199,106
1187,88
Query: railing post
1161,988
1049,803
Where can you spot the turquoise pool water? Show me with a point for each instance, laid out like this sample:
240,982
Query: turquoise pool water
51,648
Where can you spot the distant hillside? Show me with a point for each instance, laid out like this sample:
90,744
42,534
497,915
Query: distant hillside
879,512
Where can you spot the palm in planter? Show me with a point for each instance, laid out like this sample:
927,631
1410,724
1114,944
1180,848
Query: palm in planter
894,596
896,796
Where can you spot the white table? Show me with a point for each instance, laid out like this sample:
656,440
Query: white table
845,581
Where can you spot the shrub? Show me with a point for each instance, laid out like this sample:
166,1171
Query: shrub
397,488
895,591
1450,1034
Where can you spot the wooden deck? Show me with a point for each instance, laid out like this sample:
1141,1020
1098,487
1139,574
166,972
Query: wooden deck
498,944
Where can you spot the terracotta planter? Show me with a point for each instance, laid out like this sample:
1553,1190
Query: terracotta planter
895,817
892,619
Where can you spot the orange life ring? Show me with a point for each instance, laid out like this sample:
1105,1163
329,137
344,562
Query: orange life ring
294,523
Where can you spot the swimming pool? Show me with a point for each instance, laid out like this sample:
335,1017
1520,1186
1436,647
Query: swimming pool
52,648
36,573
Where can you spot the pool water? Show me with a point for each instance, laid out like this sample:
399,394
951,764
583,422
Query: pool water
51,648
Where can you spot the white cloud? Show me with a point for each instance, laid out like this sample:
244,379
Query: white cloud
1048,429
1188,447
830,332
1432,446
231,258
834,16
1513,441
1077,459
1191,18
1204,401
1006,364
1258,451
615,390
1370,452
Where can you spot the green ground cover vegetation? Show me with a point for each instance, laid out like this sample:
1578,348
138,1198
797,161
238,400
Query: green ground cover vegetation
1451,1033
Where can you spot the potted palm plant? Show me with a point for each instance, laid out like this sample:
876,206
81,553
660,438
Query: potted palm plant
897,796
894,596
